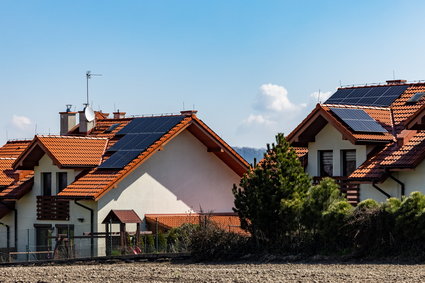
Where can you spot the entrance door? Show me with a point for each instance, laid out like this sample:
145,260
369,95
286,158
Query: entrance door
43,241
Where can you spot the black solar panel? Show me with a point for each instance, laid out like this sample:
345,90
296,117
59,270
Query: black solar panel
139,134
136,142
358,120
380,96
112,127
415,98
119,159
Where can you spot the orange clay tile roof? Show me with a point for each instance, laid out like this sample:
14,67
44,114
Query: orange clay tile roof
13,149
75,151
19,188
7,174
97,182
226,221
65,151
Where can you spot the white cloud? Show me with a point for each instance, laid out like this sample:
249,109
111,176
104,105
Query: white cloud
274,112
257,120
320,96
274,98
21,122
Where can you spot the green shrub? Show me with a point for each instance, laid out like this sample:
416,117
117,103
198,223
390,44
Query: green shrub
211,243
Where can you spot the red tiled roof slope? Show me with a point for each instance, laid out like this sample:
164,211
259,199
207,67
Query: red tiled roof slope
75,151
13,149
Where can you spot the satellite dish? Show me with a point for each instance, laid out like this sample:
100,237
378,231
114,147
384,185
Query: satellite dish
89,113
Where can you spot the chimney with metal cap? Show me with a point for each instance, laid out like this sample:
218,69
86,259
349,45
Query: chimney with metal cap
68,120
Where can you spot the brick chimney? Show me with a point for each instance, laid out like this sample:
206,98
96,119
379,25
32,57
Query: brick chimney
396,82
118,114
188,112
68,120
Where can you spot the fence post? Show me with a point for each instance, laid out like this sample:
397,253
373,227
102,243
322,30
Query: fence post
156,239
28,244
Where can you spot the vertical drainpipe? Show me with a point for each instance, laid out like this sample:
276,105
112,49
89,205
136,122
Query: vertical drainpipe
403,187
91,225
15,224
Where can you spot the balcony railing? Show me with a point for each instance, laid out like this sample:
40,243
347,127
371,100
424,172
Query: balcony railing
350,190
52,208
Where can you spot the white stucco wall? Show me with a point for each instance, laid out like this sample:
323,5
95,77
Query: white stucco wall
182,178
414,180
331,139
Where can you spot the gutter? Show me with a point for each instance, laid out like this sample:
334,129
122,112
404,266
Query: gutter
403,187
380,190
91,225
15,224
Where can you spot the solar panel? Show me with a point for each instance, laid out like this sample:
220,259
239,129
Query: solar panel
135,142
379,96
138,135
415,98
150,124
358,120
119,159
112,127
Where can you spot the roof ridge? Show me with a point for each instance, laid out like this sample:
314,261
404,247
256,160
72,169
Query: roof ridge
7,158
355,106
72,137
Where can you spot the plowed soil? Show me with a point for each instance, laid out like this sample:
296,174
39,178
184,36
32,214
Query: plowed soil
170,272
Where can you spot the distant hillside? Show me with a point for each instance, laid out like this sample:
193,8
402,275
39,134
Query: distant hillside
249,153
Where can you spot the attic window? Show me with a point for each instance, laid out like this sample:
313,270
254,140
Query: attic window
415,98
113,127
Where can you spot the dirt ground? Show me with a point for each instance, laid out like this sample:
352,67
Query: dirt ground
170,272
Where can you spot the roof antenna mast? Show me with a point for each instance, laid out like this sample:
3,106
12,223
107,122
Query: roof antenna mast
88,76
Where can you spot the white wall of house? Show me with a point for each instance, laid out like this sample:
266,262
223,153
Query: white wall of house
414,180
27,209
182,178
330,138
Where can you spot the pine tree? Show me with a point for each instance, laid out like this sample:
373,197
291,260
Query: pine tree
269,198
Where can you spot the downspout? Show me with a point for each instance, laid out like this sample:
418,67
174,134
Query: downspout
7,234
91,225
380,190
403,188
15,223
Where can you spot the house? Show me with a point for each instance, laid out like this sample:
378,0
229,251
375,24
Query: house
369,138
106,171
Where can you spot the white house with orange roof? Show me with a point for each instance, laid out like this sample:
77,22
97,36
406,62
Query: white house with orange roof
117,168
370,139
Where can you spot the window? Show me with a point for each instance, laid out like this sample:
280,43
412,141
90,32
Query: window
61,181
348,162
325,163
46,184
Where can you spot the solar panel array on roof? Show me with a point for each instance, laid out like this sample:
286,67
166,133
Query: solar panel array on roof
139,135
379,96
358,120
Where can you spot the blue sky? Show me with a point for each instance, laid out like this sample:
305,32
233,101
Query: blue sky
251,68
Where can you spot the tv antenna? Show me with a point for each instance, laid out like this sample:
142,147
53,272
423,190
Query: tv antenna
88,76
